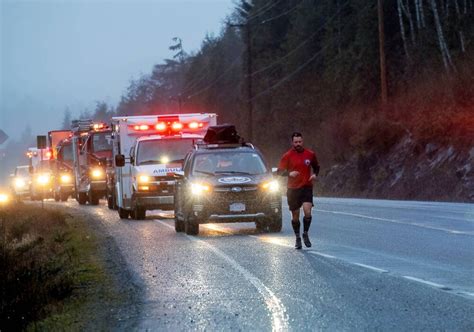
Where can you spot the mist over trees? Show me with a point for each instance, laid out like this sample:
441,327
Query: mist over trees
314,67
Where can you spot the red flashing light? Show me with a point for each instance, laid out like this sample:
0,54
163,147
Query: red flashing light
195,125
142,127
98,126
177,126
160,126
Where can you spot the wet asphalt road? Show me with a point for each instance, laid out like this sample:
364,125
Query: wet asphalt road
374,265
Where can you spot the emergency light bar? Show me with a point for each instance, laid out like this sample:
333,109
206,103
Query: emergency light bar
99,126
168,127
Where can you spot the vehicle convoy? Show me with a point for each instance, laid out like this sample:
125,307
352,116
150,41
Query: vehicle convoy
226,180
41,185
59,144
21,182
147,150
91,151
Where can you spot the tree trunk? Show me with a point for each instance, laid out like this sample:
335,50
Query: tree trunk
402,27
461,40
407,11
417,11
442,43
422,14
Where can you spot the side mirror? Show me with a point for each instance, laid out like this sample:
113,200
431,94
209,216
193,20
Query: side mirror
132,160
178,175
30,169
119,160
274,170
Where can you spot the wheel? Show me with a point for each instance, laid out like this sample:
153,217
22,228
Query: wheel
93,198
139,213
261,226
178,225
191,226
110,202
123,214
64,197
275,224
82,198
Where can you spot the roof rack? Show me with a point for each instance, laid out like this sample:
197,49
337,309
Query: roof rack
204,145
81,125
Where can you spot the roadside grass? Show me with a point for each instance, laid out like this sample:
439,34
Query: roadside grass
50,269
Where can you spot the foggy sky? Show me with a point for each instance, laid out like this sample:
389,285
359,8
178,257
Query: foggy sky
58,54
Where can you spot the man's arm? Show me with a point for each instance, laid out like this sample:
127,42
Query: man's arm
283,166
315,165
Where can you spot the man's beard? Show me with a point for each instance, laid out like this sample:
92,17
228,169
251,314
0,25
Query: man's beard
299,148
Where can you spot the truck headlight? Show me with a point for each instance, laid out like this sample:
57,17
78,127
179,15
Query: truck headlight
20,183
65,178
97,173
271,186
143,179
3,198
199,188
43,179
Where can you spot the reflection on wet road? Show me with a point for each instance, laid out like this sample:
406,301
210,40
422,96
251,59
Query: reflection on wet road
373,265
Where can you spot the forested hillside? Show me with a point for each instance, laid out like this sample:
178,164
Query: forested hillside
314,66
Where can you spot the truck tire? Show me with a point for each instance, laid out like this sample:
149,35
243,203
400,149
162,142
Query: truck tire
93,198
123,214
191,226
82,198
110,202
139,213
178,225
275,224
64,197
261,225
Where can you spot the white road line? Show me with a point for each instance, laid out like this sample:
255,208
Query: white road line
273,303
466,293
371,267
447,230
321,254
426,282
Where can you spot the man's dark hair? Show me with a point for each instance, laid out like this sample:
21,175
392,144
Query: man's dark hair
296,134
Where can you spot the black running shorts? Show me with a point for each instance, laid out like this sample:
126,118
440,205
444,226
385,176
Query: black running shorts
296,197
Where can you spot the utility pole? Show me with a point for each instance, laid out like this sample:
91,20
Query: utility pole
383,70
249,81
248,34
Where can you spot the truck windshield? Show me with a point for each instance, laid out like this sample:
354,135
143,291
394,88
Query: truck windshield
65,153
235,162
23,171
101,142
163,151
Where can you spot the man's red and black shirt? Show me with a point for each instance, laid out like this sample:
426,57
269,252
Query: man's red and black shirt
302,162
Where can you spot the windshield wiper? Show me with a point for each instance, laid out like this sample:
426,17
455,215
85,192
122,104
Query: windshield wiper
149,162
175,161
233,172
204,172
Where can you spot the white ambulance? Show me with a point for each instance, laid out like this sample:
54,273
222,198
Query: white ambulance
147,151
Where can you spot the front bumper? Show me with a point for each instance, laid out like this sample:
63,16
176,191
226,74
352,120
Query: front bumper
231,207
150,201
98,186
66,188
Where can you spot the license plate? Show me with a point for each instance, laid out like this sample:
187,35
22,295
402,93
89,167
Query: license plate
237,207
